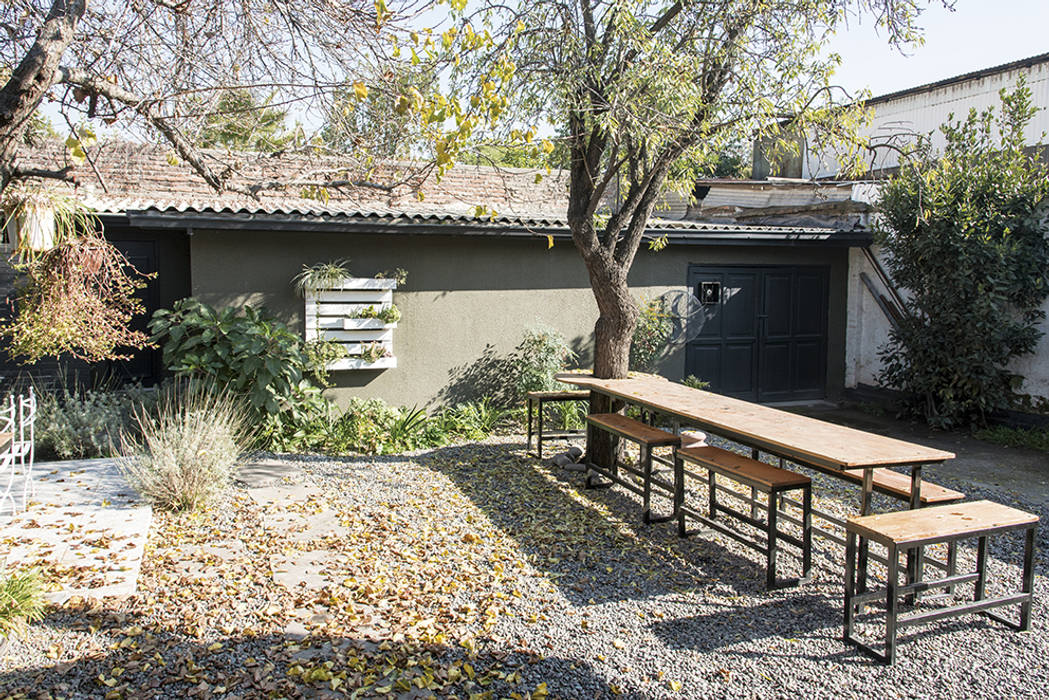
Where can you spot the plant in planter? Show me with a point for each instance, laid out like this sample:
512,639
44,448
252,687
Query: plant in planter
37,220
373,352
314,278
76,294
387,314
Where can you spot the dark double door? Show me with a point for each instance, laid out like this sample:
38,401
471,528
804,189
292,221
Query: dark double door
763,334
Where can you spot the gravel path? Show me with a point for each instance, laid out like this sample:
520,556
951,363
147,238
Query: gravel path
475,569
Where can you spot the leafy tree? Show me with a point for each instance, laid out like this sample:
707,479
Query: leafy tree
379,123
965,232
239,122
650,89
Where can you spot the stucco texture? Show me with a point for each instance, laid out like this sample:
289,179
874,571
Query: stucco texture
469,300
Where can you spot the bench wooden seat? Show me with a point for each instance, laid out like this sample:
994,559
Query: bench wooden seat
571,395
929,525
759,476
633,430
751,472
538,399
898,485
912,529
647,438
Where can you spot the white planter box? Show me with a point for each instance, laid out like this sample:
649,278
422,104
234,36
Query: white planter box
331,314
356,363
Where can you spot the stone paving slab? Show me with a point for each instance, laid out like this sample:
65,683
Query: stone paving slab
85,526
258,473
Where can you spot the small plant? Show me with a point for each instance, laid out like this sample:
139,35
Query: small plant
184,455
84,423
695,382
314,278
1032,439
475,419
319,355
398,275
21,600
373,352
542,353
387,314
651,335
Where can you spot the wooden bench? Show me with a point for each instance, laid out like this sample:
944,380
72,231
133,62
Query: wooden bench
759,476
897,485
647,438
541,398
912,529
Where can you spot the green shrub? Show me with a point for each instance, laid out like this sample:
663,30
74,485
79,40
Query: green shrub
695,382
542,353
21,600
651,335
965,233
85,423
184,454
252,355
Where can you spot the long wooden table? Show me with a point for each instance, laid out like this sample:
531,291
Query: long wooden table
806,441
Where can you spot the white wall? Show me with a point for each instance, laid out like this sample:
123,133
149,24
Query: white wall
925,111
867,328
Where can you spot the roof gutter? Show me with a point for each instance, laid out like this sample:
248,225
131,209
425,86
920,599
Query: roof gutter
729,235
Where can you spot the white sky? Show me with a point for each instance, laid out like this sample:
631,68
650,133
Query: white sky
977,34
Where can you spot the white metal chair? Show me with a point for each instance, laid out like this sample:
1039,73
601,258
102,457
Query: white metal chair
8,465
23,444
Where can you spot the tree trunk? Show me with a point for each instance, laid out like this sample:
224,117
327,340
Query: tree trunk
32,78
612,335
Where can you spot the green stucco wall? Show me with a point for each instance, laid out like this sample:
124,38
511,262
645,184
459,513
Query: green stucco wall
468,300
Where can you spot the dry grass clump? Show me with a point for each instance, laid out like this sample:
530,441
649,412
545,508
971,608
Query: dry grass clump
184,453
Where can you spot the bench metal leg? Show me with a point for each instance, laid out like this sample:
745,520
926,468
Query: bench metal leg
893,603
679,494
539,431
806,529
915,556
528,445
712,486
850,586
772,532
981,569
1028,579
755,454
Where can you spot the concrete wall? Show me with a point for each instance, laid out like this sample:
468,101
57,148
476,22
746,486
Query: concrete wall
468,301
867,328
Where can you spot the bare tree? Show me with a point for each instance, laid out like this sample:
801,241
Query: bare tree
162,70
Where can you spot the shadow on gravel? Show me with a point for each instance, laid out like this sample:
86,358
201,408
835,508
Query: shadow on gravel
788,619
591,542
134,660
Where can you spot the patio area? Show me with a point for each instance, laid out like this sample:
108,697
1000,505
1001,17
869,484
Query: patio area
477,569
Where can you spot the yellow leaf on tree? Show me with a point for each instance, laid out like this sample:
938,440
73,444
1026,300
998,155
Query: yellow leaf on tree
360,90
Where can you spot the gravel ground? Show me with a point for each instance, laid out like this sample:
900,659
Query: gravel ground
496,574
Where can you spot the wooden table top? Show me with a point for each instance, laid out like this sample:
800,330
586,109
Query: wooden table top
794,436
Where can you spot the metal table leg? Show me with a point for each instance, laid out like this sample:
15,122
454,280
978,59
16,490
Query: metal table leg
864,545
915,556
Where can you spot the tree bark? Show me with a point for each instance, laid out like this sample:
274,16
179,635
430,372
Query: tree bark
32,78
612,336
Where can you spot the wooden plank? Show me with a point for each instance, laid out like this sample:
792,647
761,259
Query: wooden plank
909,527
633,429
794,436
359,336
731,464
373,296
